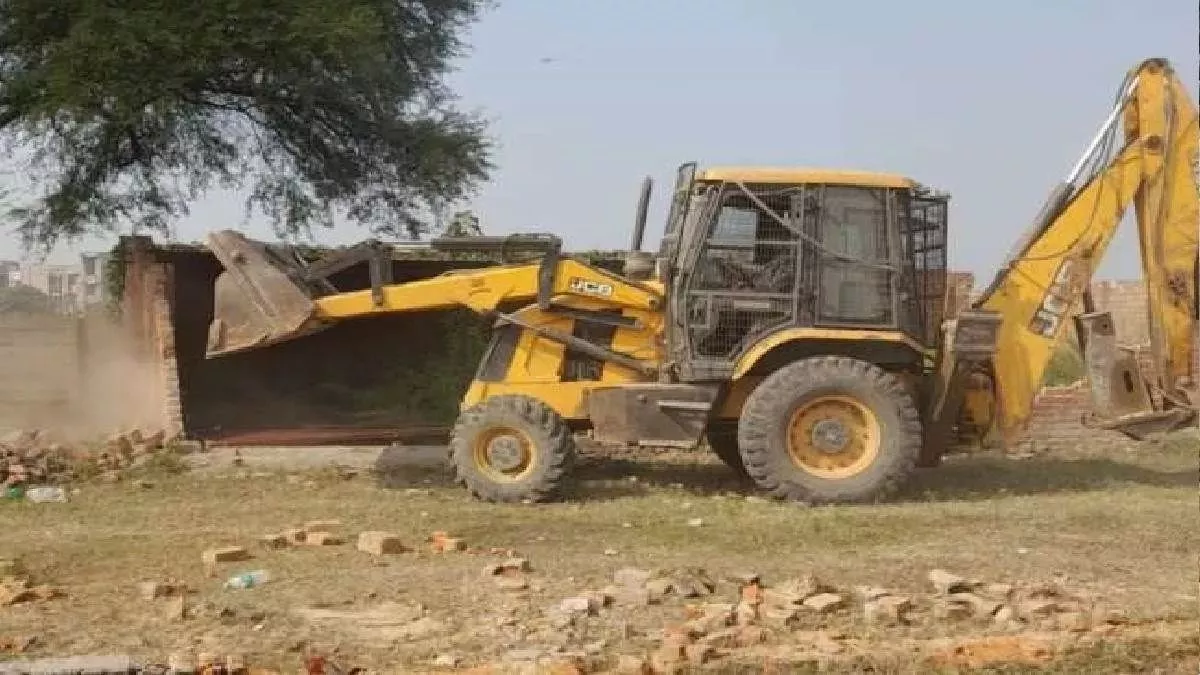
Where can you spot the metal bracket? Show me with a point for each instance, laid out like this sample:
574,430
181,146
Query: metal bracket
582,346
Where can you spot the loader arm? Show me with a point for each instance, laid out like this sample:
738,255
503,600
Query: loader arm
483,290
1047,277
264,297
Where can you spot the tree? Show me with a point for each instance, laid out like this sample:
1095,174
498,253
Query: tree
464,224
131,110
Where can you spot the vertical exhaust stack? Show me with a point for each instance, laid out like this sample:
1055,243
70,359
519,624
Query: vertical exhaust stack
638,264
259,299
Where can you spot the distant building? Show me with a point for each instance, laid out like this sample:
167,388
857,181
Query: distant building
71,287
10,273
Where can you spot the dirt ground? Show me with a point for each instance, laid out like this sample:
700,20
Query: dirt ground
1115,529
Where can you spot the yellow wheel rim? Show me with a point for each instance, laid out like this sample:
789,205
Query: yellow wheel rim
833,437
503,454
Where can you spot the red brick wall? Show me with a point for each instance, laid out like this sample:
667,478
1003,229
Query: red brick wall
146,311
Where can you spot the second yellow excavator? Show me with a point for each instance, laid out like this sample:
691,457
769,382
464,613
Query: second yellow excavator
793,318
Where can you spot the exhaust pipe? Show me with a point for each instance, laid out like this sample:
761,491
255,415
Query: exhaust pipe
639,265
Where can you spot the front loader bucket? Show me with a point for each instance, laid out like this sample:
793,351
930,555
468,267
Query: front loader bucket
260,298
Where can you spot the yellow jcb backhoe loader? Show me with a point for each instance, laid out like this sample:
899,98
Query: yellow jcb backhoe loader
792,317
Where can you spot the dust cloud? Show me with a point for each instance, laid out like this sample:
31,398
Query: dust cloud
78,378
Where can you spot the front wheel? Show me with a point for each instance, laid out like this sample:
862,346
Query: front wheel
830,429
512,448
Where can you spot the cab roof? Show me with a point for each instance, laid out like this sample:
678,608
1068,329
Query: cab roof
797,175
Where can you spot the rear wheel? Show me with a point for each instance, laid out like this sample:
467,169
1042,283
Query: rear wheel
512,448
830,429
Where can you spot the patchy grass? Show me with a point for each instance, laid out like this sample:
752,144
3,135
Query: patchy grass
1116,524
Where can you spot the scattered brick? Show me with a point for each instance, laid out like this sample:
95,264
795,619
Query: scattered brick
225,554
380,543
631,576
512,584
440,542
658,589
668,658
887,610
946,583
825,602
274,541
323,539
629,664
698,653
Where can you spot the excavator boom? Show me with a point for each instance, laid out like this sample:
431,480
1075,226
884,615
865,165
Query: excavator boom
1047,277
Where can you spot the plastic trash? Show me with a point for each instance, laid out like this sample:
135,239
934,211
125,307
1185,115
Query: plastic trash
40,495
248,579
14,492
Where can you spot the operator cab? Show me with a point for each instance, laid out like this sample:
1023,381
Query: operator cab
751,251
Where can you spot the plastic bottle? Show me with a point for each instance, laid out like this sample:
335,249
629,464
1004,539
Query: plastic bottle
40,495
248,579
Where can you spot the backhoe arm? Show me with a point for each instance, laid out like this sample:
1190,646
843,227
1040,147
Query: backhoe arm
1047,277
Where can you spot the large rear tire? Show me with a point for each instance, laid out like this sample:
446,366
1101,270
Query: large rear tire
830,429
512,448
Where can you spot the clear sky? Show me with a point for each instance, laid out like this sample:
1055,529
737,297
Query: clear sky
990,101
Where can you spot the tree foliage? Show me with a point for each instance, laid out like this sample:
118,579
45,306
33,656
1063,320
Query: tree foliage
130,110
463,224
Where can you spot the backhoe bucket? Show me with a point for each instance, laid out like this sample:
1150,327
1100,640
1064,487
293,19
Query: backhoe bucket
260,299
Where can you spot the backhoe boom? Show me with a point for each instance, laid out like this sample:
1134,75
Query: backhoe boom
1048,276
